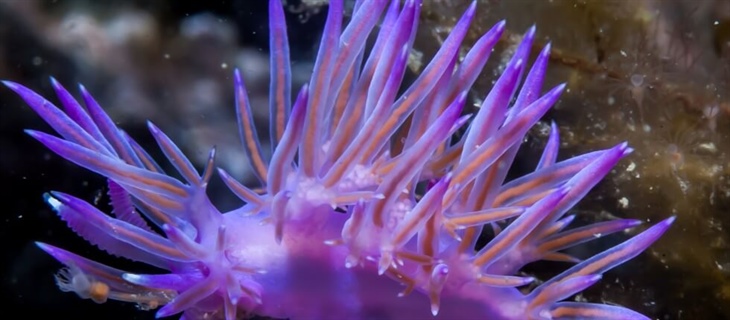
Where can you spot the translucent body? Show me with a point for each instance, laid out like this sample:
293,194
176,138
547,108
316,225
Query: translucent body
71,279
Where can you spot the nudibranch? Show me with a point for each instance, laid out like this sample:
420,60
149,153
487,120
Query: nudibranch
369,205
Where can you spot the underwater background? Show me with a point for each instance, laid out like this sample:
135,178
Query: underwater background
650,72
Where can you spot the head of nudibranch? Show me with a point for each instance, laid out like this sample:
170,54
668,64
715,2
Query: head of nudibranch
352,208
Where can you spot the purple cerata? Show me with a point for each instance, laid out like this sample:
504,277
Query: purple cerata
359,214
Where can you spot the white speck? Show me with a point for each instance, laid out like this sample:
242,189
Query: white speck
623,202
709,147
166,56
631,167
37,61
543,128
224,65
415,60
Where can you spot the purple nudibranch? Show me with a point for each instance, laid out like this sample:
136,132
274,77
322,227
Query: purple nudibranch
357,215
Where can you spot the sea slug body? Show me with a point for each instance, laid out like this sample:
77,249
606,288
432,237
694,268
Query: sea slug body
357,216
